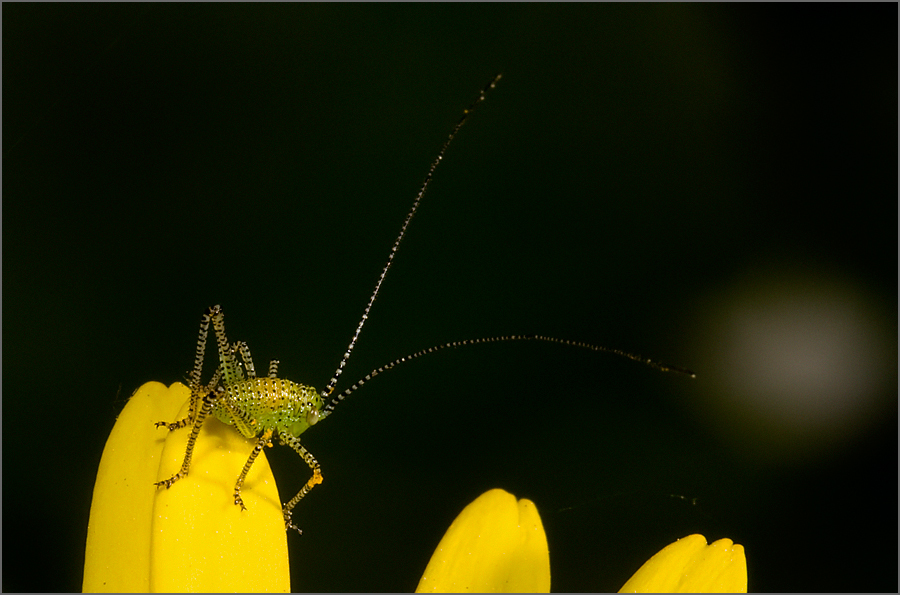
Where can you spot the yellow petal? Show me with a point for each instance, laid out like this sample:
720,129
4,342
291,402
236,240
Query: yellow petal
691,566
495,545
190,537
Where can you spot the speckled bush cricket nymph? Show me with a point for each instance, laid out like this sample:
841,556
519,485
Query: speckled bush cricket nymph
262,408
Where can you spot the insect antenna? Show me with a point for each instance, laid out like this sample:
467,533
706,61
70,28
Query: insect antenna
329,388
649,362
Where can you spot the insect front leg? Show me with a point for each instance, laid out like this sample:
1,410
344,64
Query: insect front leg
207,405
316,478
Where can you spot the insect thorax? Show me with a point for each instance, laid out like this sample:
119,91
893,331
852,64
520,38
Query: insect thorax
270,403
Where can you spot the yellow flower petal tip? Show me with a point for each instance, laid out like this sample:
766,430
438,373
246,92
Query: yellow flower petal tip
190,537
495,545
691,566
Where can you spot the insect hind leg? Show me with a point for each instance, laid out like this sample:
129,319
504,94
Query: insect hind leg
197,389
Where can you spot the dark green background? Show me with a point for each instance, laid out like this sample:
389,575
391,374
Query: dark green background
159,159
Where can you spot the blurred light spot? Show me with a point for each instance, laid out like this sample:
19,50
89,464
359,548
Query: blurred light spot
792,363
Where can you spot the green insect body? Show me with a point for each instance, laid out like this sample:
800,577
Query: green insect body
254,405
273,403
257,407
263,407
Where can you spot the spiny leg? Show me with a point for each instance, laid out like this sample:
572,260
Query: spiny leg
264,440
231,370
214,381
194,379
209,401
201,350
316,478
241,418
273,368
248,361
182,423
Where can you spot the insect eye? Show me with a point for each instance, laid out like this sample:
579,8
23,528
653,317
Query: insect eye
312,417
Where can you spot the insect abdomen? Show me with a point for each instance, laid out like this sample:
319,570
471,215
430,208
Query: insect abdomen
271,403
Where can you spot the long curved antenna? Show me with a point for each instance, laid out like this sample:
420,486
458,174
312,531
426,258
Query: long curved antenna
329,408
330,387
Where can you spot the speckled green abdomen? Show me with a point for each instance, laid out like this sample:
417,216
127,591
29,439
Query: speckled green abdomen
269,404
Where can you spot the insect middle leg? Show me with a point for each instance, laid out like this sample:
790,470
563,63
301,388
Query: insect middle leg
316,478
244,350
264,440
245,355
